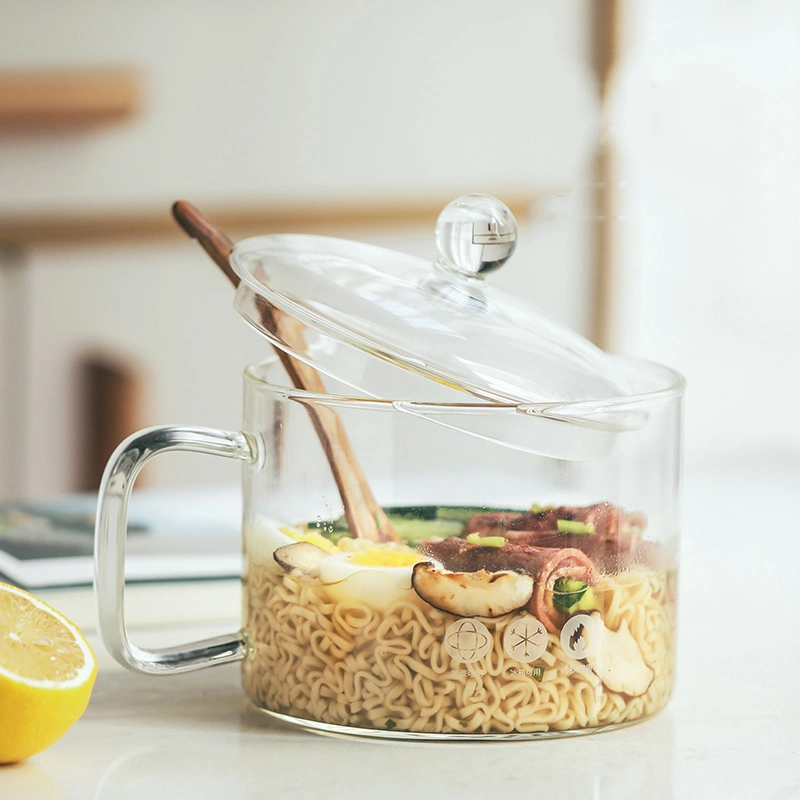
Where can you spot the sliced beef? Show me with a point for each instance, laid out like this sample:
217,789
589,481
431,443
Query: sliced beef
616,532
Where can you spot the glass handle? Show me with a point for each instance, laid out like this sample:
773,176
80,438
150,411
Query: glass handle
110,535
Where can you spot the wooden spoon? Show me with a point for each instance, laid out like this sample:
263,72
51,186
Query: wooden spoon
365,517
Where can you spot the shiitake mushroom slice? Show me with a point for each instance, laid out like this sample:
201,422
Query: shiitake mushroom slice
617,660
301,558
472,594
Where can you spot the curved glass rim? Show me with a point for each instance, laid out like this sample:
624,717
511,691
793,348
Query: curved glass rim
489,343
674,386
351,732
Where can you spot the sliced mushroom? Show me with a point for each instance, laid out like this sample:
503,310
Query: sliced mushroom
618,662
301,558
472,594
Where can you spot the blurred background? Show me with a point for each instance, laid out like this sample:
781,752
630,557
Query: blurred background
649,150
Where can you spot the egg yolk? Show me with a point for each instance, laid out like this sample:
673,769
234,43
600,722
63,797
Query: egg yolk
385,558
314,538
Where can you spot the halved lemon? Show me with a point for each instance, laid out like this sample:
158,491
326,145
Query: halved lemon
47,671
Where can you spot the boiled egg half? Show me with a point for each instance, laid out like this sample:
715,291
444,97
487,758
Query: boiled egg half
376,576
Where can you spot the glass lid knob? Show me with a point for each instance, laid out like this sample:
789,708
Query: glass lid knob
475,234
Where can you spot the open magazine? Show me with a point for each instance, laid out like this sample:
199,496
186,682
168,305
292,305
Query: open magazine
172,535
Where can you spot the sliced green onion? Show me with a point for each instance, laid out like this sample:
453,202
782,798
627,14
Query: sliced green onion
573,526
486,541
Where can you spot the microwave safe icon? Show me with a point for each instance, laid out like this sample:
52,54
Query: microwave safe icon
467,640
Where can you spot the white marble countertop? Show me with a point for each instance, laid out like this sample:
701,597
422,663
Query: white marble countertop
731,730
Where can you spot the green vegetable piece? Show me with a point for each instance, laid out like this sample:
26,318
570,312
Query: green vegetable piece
415,531
537,509
486,541
412,512
390,723
463,513
572,596
567,585
575,527
589,602
567,593
460,513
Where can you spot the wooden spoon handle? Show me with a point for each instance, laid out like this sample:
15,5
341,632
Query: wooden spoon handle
214,241
365,517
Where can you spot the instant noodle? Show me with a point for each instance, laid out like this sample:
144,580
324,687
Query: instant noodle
321,654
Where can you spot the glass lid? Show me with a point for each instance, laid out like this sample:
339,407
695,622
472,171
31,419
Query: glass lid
441,320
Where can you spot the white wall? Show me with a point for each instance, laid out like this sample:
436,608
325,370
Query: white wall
300,98
269,101
707,116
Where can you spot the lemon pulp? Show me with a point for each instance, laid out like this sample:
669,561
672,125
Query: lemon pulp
47,671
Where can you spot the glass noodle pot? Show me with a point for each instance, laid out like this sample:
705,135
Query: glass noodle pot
509,570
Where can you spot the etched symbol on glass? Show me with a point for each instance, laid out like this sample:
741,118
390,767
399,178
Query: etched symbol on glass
467,640
525,639
580,635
